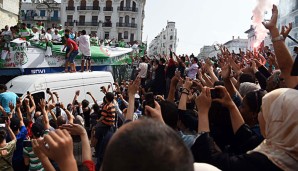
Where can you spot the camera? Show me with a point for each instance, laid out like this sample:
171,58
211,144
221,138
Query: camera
215,93
149,100
48,90
27,143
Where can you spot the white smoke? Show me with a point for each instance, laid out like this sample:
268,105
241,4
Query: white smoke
258,17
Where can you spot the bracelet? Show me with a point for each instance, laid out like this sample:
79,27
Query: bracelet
279,38
186,90
187,93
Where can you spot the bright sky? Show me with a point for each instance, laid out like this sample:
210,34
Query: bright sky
199,22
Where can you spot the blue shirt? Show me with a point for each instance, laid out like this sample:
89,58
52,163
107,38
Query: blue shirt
7,97
21,136
188,140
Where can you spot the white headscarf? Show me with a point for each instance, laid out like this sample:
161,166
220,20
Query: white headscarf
280,112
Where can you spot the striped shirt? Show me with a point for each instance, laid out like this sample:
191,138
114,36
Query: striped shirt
109,113
35,163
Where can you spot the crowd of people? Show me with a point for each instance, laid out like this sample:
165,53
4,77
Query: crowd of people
176,113
74,42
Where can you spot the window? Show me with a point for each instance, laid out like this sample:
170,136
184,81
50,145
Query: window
133,20
107,35
134,5
69,18
128,3
83,3
126,35
82,18
56,12
120,19
127,19
171,46
109,3
42,13
94,19
171,37
95,3
121,4
119,36
70,3
132,37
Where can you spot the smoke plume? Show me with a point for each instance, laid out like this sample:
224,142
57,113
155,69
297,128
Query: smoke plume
258,17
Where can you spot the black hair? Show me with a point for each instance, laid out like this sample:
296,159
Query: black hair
160,146
162,60
110,97
195,59
15,124
37,130
254,100
83,32
246,78
3,135
66,36
3,87
169,113
143,59
85,103
48,29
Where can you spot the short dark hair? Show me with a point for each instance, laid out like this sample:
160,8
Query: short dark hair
109,97
195,59
85,103
15,124
143,59
66,31
3,135
37,130
3,87
169,113
66,36
83,32
246,78
49,29
160,146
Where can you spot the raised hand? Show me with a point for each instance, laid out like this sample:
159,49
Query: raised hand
74,129
133,87
42,103
285,30
272,23
225,71
155,113
203,101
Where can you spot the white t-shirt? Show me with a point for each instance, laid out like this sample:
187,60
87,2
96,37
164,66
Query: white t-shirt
84,45
143,67
6,33
56,37
48,36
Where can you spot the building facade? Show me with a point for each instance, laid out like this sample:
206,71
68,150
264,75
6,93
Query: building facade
251,35
9,12
108,19
208,51
48,13
167,39
235,44
288,13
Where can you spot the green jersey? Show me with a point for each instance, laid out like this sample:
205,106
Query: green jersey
25,33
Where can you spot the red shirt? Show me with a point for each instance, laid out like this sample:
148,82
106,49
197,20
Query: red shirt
70,42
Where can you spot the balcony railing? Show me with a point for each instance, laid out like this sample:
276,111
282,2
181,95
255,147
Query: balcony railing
107,8
107,24
87,23
69,23
132,9
91,8
41,18
70,8
132,25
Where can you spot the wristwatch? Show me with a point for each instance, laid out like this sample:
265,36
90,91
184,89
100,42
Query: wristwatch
279,38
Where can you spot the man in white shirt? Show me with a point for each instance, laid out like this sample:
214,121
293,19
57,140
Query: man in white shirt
56,37
143,68
84,46
48,35
193,69
35,34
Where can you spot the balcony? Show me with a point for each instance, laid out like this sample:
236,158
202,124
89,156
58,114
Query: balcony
130,25
107,24
40,18
87,23
69,24
107,8
88,8
70,8
130,9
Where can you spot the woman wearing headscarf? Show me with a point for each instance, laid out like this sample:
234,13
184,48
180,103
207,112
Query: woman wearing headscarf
278,123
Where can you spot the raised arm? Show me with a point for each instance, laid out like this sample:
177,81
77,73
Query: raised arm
19,114
92,97
132,90
284,59
184,94
42,105
173,85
